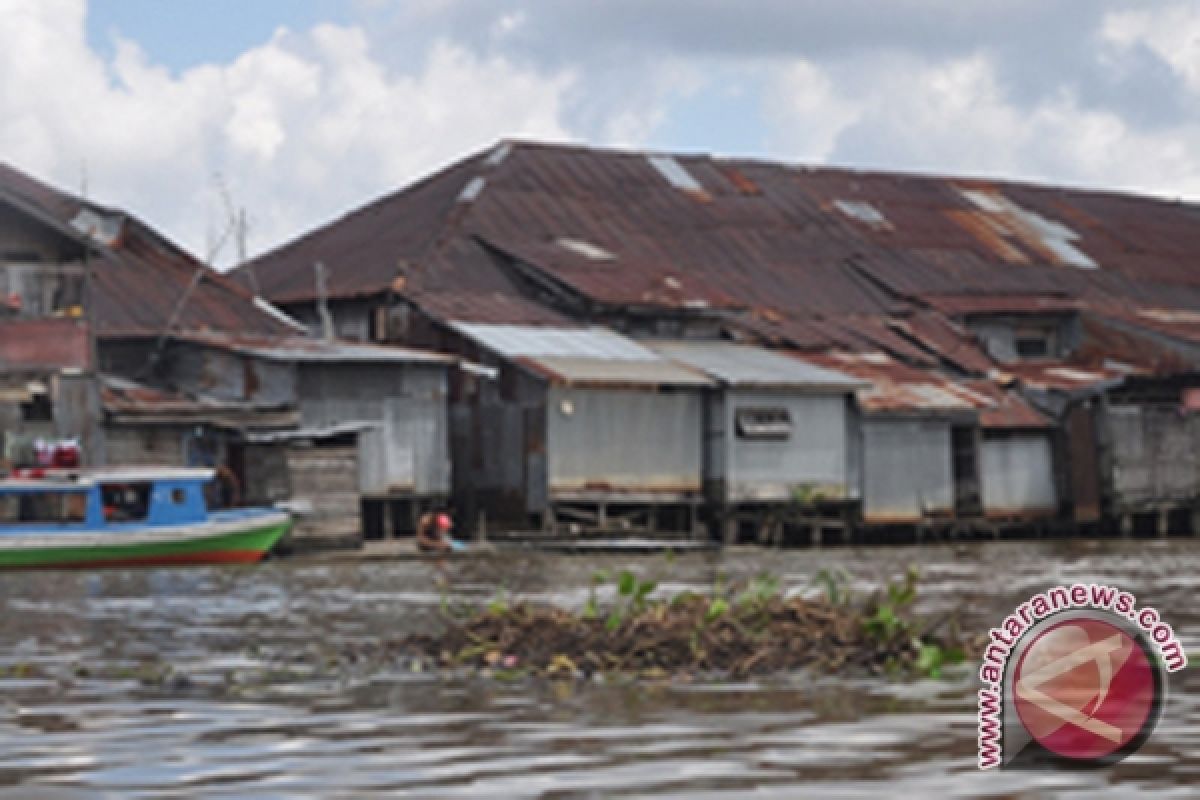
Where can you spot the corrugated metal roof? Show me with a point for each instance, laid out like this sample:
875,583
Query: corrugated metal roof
747,365
581,356
599,372
545,341
140,280
44,344
300,349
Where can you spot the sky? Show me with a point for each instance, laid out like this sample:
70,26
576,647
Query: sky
296,111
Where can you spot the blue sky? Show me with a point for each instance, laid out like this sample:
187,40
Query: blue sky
180,33
297,111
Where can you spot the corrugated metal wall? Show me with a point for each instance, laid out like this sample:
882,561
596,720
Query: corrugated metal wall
230,376
146,445
624,439
1016,472
907,469
814,455
409,450
1155,454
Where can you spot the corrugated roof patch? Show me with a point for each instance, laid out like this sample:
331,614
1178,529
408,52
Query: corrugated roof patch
473,189
500,153
1044,235
588,250
864,212
103,228
675,174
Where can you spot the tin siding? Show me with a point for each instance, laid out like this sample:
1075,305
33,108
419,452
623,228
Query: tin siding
146,446
907,470
1017,475
815,455
624,440
408,452
1154,454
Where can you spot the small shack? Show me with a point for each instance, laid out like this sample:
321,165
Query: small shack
314,473
777,433
917,454
578,429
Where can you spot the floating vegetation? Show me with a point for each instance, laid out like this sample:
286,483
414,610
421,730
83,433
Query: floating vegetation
734,630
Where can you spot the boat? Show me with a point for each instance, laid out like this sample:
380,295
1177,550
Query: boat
110,517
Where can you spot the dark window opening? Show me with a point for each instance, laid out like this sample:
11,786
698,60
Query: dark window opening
38,409
125,502
763,423
1033,347
46,508
178,496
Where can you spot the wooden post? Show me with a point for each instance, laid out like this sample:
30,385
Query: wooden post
387,521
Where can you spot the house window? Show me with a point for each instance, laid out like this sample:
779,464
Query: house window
763,423
1032,346
38,409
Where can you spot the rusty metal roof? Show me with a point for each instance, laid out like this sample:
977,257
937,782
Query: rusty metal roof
792,253
139,277
749,366
298,349
59,343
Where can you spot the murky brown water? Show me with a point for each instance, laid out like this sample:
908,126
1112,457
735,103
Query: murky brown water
269,682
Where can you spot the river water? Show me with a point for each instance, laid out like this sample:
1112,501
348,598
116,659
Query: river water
275,681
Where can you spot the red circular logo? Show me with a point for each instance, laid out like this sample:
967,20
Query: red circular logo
1084,689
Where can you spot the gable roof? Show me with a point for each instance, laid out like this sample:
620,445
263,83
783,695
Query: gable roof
793,251
140,278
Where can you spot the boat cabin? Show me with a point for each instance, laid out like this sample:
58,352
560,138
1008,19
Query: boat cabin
50,499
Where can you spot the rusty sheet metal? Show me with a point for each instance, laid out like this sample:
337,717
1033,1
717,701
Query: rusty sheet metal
1005,409
742,365
1064,377
946,339
796,252
966,305
898,388
140,280
298,349
44,344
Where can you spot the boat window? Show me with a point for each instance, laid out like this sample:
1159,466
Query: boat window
178,496
125,502
46,508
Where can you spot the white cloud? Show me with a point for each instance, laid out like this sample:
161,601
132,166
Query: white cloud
1171,32
301,127
955,116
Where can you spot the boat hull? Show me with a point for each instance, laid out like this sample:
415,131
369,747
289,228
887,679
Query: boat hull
242,541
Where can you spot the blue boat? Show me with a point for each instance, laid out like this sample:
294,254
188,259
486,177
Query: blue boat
126,517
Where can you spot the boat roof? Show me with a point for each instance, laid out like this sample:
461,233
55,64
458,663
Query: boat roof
52,478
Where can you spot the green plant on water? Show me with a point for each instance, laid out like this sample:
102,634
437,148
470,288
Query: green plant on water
632,596
834,583
932,657
498,605
890,618
717,608
759,592
591,608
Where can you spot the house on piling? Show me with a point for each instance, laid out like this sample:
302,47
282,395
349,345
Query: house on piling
578,428
778,433
963,286
116,337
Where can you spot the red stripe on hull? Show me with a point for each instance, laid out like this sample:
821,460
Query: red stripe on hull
179,559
